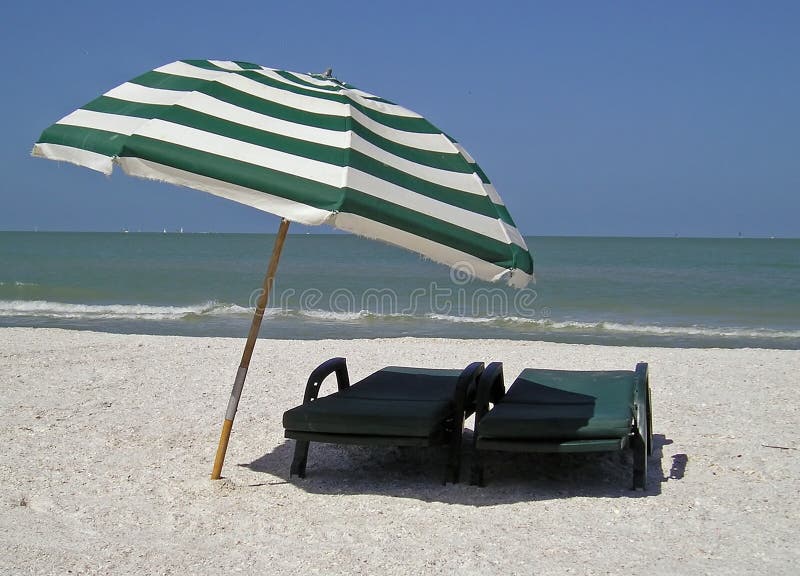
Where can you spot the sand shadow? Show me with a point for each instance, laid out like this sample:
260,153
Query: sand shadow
511,477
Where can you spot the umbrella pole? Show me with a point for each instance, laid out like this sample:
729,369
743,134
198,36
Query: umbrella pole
238,384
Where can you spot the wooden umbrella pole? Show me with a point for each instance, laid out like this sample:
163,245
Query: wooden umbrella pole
238,383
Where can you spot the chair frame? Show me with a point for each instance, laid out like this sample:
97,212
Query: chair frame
448,435
491,390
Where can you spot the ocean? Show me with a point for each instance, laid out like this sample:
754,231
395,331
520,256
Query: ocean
675,292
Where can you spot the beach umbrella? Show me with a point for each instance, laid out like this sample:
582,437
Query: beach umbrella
306,147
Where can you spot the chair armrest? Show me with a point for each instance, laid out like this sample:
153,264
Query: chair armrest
644,413
338,365
466,388
491,389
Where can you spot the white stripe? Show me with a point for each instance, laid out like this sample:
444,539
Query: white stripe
146,95
289,209
393,194
128,125
492,193
274,75
385,107
207,105
308,78
227,64
297,101
200,102
362,93
298,212
253,87
520,279
433,250
179,68
117,123
355,95
244,152
469,183
189,71
355,179
463,152
430,142
513,235
78,156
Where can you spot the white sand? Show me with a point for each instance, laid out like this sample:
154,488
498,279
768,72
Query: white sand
108,442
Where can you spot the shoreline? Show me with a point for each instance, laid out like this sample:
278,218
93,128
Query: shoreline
110,438
614,335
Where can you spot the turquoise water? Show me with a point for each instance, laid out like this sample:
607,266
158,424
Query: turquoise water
622,291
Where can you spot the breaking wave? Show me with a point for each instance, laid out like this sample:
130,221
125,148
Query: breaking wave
45,309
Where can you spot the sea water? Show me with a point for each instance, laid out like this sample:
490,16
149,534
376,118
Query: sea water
620,291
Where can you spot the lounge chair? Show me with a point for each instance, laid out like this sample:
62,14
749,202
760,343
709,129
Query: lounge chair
395,406
564,411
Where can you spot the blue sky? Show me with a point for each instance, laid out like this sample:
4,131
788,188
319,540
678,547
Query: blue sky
591,118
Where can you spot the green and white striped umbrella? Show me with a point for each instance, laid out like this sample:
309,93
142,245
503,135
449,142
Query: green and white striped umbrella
306,147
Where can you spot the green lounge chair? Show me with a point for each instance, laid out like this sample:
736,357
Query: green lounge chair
395,406
564,411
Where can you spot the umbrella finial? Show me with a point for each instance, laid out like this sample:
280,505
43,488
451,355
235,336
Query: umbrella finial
328,73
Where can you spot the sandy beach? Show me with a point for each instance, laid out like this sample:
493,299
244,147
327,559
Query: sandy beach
108,442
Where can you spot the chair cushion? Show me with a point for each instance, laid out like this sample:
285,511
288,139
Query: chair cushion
395,401
556,405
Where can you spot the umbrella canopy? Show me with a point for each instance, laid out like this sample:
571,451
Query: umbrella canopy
306,147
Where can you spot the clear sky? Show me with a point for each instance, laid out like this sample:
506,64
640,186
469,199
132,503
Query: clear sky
591,118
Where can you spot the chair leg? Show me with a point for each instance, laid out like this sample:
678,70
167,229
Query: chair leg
300,457
639,446
476,470
453,465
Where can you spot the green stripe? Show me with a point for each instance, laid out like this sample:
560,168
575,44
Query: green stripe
173,82
106,143
205,64
405,123
453,162
292,187
295,79
163,81
111,105
329,154
236,172
481,174
245,100
320,196
504,214
398,122
471,202
440,231
247,65
242,133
